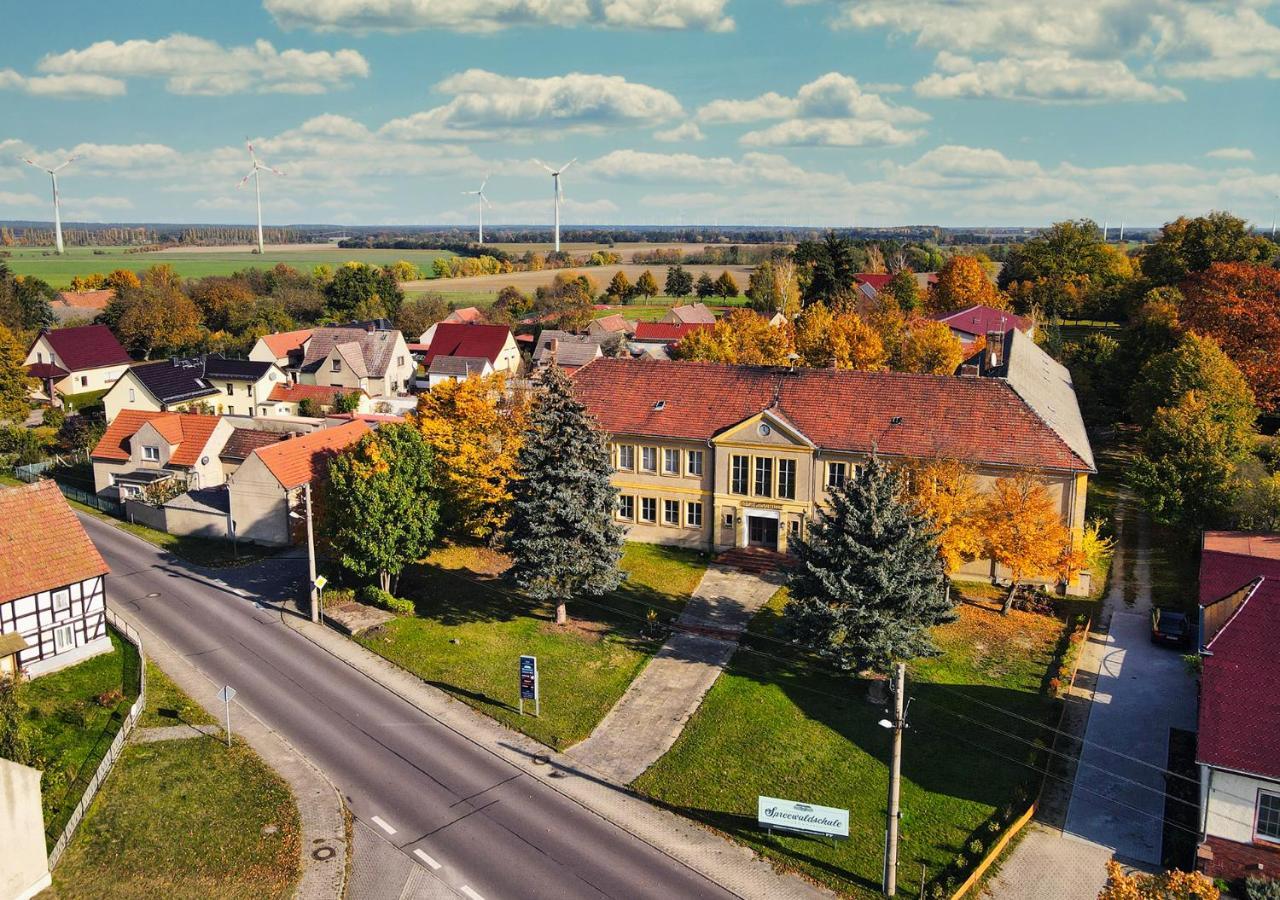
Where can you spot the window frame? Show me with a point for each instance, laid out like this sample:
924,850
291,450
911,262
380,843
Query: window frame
627,507
65,595
1258,834
645,467
670,461
60,646
671,512
832,466
790,483
335,365
689,507
627,466
650,517
736,486
762,476
689,457
150,453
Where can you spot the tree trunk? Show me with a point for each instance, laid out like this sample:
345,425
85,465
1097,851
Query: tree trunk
562,613
384,581
1008,599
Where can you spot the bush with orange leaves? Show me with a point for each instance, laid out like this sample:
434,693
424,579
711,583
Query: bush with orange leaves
1175,885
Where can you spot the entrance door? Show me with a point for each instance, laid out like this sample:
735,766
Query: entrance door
762,532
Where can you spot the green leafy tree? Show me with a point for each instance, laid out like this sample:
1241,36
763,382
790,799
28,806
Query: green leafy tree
1099,372
829,267
647,285
359,285
564,537
156,315
24,301
307,407
346,401
725,286
870,582
705,286
679,282
13,739
380,505
419,313
14,383
904,288
1193,245
1197,364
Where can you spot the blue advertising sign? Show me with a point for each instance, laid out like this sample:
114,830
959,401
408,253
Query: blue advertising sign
528,678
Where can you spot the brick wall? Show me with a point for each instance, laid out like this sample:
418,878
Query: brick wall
1232,860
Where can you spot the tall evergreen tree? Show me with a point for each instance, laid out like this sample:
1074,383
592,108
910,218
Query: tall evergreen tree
679,282
564,538
870,583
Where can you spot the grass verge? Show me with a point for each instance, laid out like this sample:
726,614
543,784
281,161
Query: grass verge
185,818
212,554
470,630
779,729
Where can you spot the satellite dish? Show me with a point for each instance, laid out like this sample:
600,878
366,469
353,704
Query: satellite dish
204,460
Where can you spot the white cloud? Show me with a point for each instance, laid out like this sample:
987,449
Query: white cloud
685,131
1233,153
666,168
830,133
1052,78
8,198
62,86
495,15
488,106
195,65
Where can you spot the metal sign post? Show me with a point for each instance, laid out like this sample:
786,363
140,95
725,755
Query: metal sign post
226,695
529,684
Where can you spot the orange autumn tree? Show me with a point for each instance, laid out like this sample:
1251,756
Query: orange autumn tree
1238,305
944,492
474,430
929,348
743,337
838,338
1024,532
1173,885
963,282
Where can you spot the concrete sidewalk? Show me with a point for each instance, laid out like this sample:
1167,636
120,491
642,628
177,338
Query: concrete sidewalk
649,717
324,826
732,866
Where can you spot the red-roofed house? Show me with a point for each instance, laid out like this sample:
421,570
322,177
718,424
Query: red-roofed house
1238,745
474,341
141,448
268,484
76,360
284,399
690,314
52,598
655,339
468,315
81,305
716,456
978,321
284,348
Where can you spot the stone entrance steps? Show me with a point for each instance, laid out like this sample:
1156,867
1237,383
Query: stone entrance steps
755,560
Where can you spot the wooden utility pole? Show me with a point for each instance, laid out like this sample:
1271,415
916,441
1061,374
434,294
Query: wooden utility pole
311,558
895,780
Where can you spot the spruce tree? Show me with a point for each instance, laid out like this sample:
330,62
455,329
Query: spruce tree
870,583
564,538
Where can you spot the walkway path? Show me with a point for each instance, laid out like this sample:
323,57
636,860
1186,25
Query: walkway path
649,717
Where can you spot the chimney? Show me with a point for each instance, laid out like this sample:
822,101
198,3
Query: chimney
833,363
995,349
554,347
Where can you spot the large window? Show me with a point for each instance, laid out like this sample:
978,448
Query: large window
764,476
670,462
837,472
693,514
1268,816
670,512
649,459
626,456
693,462
738,474
648,509
626,507
787,479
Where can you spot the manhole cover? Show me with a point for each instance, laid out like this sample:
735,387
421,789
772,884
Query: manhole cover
323,853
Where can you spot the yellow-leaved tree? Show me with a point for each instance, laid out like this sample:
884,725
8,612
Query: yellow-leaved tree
945,492
1172,885
963,282
1024,532
743,337
929,348
838,338
474,429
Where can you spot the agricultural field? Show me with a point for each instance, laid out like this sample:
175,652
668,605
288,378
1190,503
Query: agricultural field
196,262
481,290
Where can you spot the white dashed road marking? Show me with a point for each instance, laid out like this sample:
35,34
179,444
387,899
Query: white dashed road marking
470,893
426,859
383,825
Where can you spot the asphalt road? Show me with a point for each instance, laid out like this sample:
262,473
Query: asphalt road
441,799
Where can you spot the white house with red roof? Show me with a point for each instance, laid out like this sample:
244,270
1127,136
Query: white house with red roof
75,360
142,448
655,339
977,321
473,341
1238,745
467,315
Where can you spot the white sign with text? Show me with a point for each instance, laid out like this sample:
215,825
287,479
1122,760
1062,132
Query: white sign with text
791,815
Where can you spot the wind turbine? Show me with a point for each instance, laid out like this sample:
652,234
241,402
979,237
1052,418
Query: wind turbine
57,201
481,202
559,194
257,186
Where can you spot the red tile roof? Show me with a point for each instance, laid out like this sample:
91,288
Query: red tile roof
319,393
468,339
836,409
47,370
653,332
877,280
86,347
982,319
42,543
87,300
301,460
466,314
1230,559
282,342
189,432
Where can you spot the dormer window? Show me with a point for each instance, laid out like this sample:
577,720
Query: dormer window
150,453
336,366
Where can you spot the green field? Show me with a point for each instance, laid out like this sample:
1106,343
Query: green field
195,263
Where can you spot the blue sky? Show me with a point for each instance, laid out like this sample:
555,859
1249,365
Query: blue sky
821,112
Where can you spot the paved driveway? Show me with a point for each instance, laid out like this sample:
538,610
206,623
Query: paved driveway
1142,691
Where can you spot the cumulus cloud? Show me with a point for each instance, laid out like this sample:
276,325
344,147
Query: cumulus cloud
195,65
488,106
665,168
62,86
685,131
1052,78
1232,153
830,133
495,15
9,198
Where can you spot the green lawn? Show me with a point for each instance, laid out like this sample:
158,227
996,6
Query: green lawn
168,705
766,728
583,669
70,730
59,270
86,400
183,819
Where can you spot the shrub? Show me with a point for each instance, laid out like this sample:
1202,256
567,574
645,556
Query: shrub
376,596
1261,888
54,417
74,713
337,597
109,699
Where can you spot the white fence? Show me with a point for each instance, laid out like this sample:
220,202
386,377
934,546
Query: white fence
117,745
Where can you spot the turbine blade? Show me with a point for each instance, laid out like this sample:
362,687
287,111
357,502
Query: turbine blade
32,162
545,166
486,200
567,165
483,183
252,172
64,165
